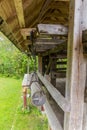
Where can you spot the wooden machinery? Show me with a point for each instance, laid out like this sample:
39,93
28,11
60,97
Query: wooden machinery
60,42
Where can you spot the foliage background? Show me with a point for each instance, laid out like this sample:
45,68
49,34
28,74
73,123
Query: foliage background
12,61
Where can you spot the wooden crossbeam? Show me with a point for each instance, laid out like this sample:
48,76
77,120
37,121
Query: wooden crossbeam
60,100
60,47
52,119
26,31
4,28
52,29
20,13
49,41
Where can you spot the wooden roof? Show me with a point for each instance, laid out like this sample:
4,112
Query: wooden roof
19,17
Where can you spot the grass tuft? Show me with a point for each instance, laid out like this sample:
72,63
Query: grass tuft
12,115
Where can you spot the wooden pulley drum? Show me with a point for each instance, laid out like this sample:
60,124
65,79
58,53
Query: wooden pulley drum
38,97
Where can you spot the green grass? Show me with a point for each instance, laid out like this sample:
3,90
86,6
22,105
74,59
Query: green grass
11,113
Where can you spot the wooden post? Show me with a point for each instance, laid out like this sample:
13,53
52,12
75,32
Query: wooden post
85,117
24,97
53,68
77,76
40,64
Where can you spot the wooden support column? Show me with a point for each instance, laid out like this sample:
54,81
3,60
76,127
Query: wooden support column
85,117
76,83
40,64
53,68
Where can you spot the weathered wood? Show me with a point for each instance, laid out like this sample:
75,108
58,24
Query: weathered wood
60,47
53,29
49,41
52,119
84,16
26,31
20,13
68,72
40,67
42,12
77,78
60,100
37,95
26,80
60,74
48,67
85,117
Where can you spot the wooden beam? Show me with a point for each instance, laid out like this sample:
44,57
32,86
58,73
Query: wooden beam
68,75
4,28
60,100
84,16
20,13
85,117
48,67
77,69
49,41
26,31
60,47
52,29
63,0
42,12
40,67
52,119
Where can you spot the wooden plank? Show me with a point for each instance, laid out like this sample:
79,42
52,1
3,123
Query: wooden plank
52,29
78,67
60,100
20,13
49,41
85,117
84,16
52,119
60,47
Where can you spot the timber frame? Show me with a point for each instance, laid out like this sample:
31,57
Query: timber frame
60,39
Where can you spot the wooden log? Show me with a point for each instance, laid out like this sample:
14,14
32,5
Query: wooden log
52,119
60,100
38,97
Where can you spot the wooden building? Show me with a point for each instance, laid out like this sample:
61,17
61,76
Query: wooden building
60,42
